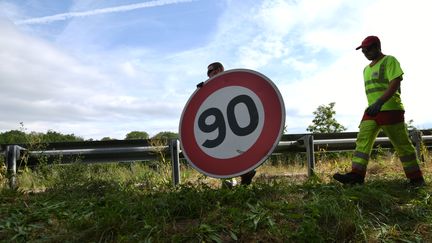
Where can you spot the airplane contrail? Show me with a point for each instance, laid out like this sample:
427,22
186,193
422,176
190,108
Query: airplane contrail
122,8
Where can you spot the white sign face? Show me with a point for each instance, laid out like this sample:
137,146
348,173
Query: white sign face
229,122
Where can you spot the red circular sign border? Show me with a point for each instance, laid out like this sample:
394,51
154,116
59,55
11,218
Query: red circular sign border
265,143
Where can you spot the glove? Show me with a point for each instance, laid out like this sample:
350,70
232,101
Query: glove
373,109
200,85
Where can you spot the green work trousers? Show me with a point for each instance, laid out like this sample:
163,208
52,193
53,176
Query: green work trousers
398,135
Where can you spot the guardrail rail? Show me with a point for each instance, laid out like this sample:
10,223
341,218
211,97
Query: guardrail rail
138,150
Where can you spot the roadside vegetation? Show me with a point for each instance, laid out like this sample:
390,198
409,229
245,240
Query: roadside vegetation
137,203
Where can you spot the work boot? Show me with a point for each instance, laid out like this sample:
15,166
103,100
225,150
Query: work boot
229,183
349,178
417,182
246,179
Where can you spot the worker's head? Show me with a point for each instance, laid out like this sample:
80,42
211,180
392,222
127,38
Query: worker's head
214,69
371,47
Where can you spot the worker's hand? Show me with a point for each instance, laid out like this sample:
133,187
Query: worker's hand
373,109
200,85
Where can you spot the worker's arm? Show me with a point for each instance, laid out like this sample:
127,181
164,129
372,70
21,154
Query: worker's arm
393,87
200,85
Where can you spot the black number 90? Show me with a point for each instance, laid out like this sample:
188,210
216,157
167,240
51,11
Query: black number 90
219,121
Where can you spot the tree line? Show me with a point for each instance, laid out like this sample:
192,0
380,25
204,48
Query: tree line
21,137
324,122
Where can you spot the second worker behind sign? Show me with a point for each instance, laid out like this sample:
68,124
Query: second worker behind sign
212,70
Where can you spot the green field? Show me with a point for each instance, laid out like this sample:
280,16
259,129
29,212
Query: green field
137,203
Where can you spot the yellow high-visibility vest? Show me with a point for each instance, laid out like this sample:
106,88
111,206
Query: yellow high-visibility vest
377,79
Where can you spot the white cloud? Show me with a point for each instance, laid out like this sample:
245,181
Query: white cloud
129,69
47,89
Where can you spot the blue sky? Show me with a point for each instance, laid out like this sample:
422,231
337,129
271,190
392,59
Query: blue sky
105,68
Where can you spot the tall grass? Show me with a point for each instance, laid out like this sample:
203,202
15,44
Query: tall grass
137,203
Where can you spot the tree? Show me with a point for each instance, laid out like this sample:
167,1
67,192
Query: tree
53,136
20,137
410,125
13,137
324,121
165,135
137,135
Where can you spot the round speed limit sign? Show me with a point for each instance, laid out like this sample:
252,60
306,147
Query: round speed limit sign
232,124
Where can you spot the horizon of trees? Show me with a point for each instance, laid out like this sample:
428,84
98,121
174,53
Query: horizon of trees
22,137
324,121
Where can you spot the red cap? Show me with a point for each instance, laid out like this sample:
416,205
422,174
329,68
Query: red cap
369,41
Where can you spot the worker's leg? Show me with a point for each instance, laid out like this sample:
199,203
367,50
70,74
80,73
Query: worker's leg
368,132
365,139
246,179
398,135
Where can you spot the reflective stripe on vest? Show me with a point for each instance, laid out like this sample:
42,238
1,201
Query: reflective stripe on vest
376,87
378,83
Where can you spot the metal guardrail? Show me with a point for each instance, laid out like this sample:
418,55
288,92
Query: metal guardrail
136,150
337,142
118,151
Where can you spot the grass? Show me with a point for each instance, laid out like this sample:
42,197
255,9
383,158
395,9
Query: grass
137,203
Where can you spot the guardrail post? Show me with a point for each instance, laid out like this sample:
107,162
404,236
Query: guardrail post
309,144
417,141
175,157
12,155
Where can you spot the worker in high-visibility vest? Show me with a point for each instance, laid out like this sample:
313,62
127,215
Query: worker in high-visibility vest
382,78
